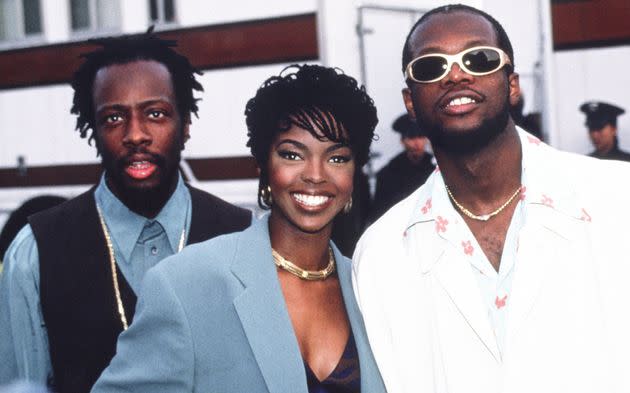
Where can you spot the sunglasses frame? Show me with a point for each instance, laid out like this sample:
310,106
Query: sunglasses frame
457,58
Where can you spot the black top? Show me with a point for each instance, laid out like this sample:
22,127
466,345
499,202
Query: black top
614,154
398,179
76,290
345,378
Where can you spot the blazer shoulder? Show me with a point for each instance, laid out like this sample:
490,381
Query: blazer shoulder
200,259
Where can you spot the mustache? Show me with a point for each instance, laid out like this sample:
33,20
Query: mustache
140,154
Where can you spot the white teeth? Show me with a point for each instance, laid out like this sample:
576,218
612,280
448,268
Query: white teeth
311,200
461,101
139,164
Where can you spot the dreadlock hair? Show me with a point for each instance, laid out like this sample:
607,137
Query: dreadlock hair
127,49
502,37
323,101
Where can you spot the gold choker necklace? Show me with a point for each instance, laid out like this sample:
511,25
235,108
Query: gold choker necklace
309,275
112,263
483,217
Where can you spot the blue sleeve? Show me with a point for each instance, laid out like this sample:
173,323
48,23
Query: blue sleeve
156,353
24,351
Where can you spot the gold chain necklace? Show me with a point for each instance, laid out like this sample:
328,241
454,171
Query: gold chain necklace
310,275
112,263
483,217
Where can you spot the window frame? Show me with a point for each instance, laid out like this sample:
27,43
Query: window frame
93,30
160,23
23,39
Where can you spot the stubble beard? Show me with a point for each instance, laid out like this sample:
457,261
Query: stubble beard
141,198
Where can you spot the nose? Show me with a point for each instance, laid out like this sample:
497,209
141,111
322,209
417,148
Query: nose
314,172
136,133
456,75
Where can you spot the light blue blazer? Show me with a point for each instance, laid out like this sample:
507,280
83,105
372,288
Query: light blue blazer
213,319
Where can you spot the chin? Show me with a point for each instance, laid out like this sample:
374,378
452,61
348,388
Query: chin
470,139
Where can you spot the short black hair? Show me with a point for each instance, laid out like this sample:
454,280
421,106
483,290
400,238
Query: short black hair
310,96
127,49
502,37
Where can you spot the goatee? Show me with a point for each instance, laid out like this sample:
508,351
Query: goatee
472,141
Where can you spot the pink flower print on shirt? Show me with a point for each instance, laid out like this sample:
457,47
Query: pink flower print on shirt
468,248
547,201
500,303
585,216
523,191
440,224
533,140
427,206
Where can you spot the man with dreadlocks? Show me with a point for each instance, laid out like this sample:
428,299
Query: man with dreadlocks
70,277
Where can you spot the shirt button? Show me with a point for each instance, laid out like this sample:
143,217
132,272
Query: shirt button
154,250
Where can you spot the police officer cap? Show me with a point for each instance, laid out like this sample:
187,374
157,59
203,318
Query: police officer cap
407,127
598,114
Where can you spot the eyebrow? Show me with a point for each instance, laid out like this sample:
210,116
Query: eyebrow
302,146
143,104
469,44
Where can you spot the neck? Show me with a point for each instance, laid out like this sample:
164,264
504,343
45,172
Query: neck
147,203
309,251
481,179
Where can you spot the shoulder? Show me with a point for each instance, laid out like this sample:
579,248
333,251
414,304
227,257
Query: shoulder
220,207
205,198
66,214
212,256
21,261
391,226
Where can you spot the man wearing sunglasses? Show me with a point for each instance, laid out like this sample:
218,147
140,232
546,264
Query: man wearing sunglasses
505,271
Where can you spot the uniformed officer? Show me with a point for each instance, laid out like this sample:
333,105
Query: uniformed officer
601,120
405,172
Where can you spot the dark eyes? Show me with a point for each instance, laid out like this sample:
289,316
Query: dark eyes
341,159
289,155
156,114
113,118
294,156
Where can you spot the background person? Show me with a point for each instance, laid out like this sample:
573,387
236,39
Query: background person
601,121
19,218
70,277
405,172
222,316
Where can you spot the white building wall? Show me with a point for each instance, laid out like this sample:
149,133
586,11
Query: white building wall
36,123
203,12
584,75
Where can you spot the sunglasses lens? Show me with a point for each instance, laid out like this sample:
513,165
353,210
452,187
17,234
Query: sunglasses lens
482,60
428,68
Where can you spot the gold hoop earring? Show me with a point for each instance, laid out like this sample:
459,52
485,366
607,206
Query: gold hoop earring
348,206
265,195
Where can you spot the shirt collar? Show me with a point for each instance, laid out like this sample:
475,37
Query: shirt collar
432,202
125,226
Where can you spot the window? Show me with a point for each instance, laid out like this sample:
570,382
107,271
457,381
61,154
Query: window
162,11
19,19
94,15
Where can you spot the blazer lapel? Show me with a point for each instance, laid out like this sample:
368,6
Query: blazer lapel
544,247
371,380
263,313
454,273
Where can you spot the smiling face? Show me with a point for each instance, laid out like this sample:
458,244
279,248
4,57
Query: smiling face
460,112
310,180
139,131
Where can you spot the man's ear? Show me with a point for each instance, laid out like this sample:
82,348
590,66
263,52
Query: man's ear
406,93
514,88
